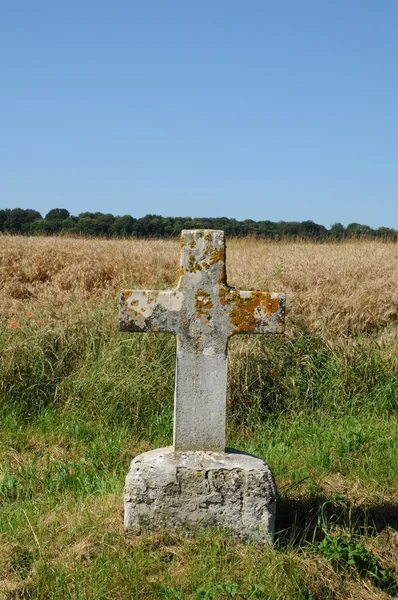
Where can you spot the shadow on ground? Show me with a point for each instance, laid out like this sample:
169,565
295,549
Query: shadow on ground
305,519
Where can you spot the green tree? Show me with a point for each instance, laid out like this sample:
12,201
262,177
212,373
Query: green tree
70,225
312,230
359,231
58,214
19,220
3,218
337,231
123,226
386,233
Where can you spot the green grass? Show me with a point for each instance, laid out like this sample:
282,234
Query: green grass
78,400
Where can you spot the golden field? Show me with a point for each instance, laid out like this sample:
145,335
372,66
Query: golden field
333,288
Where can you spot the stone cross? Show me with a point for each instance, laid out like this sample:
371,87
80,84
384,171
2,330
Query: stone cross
203,312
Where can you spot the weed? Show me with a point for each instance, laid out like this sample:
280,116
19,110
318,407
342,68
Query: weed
347,553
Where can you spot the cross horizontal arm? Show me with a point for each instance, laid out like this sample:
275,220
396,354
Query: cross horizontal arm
254,312
150,310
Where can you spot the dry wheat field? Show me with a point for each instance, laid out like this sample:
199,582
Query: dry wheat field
336,289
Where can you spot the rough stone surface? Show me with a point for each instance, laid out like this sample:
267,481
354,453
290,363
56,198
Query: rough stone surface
232,490
203,312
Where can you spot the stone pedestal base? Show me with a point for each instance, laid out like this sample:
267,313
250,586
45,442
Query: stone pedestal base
232,490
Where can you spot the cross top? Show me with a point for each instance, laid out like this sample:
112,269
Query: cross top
203,312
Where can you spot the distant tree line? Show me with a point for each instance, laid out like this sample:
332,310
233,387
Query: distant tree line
60,221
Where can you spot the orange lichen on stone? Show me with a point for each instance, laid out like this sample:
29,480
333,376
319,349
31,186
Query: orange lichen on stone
198,343
193,265
151,296
153,328
203,303
134,303
242,315
222,277
208,237
192,243
224,294
217,254
269,304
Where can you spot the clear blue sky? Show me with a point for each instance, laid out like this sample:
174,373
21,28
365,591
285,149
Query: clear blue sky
248,109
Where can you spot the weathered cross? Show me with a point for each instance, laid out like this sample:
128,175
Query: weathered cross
203,312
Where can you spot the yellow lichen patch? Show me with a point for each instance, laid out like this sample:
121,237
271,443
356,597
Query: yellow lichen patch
223,295
205,265
127,293
151,296
193,265
222,277
134,302
223,274
242,315
227,294
203,303
217,254
208,237
192,244
180,272
268,304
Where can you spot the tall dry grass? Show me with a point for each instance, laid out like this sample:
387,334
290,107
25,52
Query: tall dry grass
331,288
